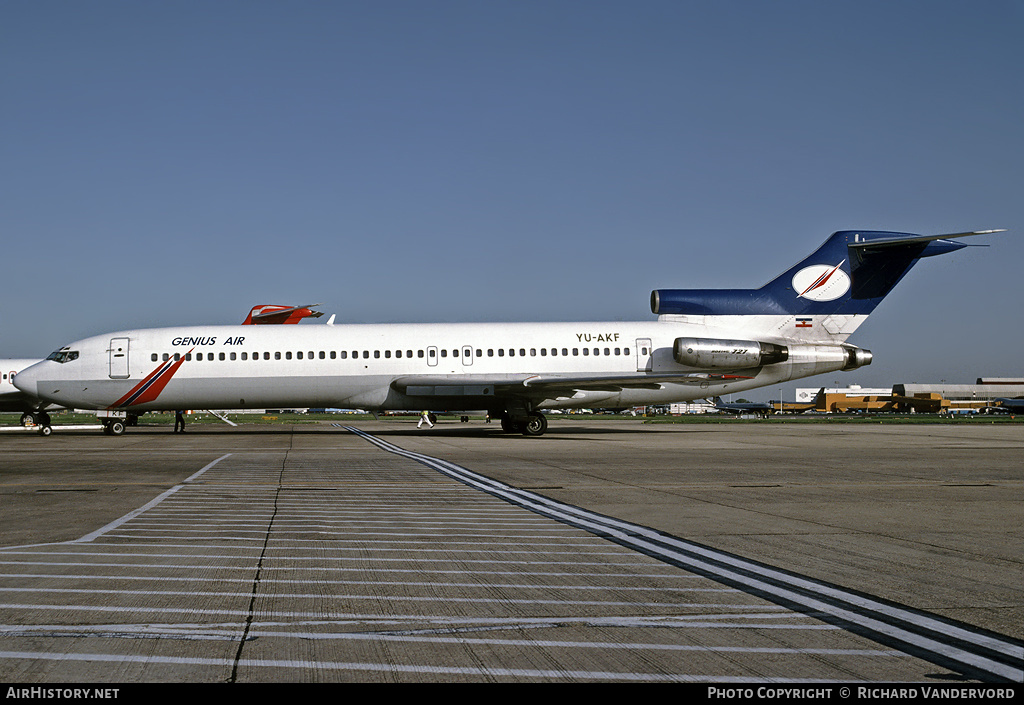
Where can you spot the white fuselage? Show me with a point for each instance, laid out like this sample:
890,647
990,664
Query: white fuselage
358,365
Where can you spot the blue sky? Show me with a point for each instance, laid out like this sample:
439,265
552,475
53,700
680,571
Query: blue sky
175,163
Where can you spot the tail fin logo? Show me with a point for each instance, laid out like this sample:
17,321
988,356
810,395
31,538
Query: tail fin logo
821,282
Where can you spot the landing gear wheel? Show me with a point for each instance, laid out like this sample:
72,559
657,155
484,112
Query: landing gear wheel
45,430
535,425
28,419
113,428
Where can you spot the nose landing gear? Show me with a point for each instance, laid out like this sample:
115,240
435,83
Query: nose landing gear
113,427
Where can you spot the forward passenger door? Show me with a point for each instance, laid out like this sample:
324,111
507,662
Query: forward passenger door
118,358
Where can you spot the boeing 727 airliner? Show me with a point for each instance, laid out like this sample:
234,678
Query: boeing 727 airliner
705,343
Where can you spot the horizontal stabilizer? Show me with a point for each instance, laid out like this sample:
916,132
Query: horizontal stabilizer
885,240
274,315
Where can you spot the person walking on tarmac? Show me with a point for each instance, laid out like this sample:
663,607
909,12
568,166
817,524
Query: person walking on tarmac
179,420
425,416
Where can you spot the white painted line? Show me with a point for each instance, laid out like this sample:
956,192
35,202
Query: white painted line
149,505
313,666
923,633
319,596
377,583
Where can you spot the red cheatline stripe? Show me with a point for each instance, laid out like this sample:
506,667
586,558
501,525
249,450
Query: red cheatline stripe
149,388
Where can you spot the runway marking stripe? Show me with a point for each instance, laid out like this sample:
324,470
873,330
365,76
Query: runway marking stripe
305,665
336,569
934,639
376,583
346,621
375,618
408,549
380,598
149,505
128,631
369,532
358,559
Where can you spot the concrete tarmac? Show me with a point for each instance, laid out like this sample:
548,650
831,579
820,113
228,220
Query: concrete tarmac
308,553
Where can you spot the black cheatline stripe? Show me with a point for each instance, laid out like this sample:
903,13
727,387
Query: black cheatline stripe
972,651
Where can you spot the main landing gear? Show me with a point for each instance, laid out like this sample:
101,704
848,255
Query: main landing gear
37,418
533,424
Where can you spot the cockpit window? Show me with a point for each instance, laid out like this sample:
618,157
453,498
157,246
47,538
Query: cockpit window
63,355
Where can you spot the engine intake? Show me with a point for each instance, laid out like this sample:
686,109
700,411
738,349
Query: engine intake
711,353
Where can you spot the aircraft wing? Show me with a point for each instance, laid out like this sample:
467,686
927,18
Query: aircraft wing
616,383
546,386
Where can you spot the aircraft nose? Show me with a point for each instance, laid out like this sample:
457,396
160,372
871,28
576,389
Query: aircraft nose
27,380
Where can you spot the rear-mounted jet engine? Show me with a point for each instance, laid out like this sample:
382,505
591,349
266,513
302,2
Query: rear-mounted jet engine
710,353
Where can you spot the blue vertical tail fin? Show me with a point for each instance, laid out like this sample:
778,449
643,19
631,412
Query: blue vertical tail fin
848,275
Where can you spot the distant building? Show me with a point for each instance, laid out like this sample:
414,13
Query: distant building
984,392
929,398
